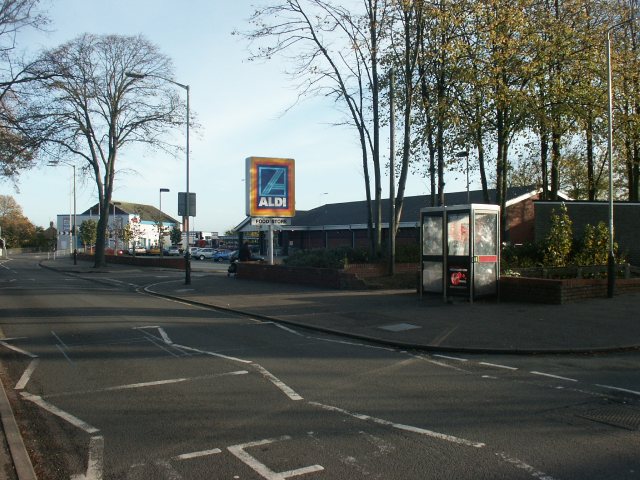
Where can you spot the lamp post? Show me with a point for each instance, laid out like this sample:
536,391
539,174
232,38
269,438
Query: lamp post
73,227
611,261
466,155
160,242
187,255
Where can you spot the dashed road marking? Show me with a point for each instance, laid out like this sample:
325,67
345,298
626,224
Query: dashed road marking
496,365
558,377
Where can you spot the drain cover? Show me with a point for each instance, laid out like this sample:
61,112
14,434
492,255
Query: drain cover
399,327
615,415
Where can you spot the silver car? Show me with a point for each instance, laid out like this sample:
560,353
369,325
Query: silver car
205,252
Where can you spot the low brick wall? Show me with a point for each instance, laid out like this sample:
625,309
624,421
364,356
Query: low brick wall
164,262
559,291
319,277
369,270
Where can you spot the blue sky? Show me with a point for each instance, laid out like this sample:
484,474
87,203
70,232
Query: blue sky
239,104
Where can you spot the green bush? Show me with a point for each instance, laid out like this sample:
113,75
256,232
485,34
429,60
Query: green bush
522,256
326,258
559,240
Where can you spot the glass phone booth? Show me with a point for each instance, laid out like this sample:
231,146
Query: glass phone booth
460,250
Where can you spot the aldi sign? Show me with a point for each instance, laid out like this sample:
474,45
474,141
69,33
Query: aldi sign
270,187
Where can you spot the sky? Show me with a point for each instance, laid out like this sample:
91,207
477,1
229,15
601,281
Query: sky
242,108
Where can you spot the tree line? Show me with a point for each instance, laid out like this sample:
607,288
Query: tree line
520,86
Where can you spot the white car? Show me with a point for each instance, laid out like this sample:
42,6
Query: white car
173,251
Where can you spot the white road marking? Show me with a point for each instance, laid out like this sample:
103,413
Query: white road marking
490,377
26,375
400,426
287,329
203,453
524,466
554,376
457,359
76,422
64,353
132,386
288,391
164,336
619,389
95,461
205,352
19,350
487,364
59,340
261,468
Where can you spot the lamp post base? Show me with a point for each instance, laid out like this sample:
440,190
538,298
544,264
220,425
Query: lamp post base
611,275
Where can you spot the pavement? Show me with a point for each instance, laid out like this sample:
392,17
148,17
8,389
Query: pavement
404,319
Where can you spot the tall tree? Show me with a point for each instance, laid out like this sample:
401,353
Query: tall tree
17,230
16,149
335,52
90,108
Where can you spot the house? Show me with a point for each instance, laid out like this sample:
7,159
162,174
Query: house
345,224
143,220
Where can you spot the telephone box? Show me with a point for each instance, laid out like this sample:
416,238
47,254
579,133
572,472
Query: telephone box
460,250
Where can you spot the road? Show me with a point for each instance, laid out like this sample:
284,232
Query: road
109,382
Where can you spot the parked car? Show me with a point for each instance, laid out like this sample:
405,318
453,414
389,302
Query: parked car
138,250
173,251
203,253
222,255
154,250
193,251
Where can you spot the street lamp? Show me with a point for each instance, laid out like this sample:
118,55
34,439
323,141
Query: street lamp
160,242
187,259
461,155
611,261
73,228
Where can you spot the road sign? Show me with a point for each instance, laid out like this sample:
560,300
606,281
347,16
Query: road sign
270,221
182,204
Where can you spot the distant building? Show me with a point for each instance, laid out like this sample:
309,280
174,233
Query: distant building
345,224
142,219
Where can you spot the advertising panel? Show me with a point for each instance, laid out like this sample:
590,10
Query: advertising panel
270,187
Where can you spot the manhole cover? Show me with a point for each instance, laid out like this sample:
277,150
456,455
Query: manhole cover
615,415
399,327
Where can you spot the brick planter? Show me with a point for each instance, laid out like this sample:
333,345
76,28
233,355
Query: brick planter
559,291
164,262
318,277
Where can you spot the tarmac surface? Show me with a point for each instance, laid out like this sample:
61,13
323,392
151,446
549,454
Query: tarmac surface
399,318
404,319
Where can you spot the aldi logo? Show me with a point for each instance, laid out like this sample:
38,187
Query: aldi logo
270,187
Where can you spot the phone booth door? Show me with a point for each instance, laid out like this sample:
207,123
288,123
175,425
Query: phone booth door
432,250
458,274
486,246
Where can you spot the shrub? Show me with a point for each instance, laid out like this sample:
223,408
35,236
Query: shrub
522,256
559,241
326,258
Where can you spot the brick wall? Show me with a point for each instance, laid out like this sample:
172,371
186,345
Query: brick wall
164,262
369,270
319,277
559,291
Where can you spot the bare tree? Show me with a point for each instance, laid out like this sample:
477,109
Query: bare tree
335,52
90,108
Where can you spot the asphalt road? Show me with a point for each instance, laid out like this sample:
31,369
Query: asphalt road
109,382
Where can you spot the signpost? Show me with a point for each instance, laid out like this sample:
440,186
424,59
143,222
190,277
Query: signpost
270,184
